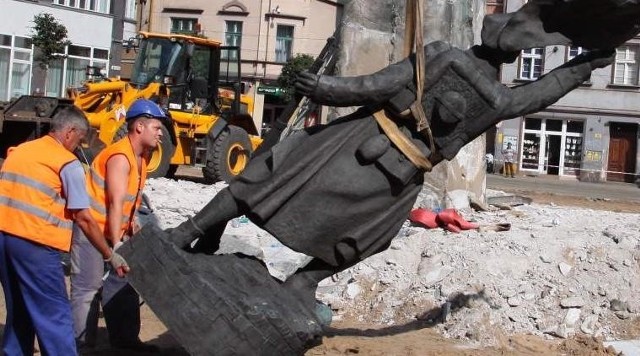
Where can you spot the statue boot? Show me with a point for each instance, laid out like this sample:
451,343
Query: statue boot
207,226
304,282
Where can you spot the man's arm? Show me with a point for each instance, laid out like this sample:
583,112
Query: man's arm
91,230
74,187
117,180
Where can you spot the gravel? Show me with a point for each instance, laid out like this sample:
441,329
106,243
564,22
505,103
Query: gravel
558,272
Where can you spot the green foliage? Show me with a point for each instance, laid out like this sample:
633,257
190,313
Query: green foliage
290,71
49,36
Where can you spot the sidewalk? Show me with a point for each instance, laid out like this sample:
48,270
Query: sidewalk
551,184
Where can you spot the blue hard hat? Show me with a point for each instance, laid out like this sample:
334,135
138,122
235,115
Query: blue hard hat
144,107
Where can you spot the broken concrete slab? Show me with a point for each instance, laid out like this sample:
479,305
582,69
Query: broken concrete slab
218,304
625,347
509,200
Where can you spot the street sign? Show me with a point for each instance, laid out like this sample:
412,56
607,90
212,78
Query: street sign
268,90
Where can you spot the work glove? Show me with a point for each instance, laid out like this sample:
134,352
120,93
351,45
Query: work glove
118,262
452,221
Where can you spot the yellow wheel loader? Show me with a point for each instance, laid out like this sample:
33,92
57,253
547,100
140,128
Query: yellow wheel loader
195,79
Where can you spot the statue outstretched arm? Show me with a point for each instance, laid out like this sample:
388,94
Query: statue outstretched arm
355,91
537,95
369,89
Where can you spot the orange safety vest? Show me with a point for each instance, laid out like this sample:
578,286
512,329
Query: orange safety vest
32,203
96,185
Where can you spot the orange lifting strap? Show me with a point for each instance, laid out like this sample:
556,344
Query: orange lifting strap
413,38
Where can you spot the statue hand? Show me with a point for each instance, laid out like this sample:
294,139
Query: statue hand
597,58
307,84
600,58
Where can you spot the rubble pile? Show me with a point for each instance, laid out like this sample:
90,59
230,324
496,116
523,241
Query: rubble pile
558,272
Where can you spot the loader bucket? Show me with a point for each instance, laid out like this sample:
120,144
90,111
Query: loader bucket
27,118
34,108
218,304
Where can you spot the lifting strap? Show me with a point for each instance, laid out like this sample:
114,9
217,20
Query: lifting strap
413,38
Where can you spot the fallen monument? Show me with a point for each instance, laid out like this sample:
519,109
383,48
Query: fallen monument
340,192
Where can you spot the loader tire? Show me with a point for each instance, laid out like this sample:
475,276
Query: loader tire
159,164
229,155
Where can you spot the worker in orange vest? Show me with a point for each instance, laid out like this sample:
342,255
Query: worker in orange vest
42,194
115,182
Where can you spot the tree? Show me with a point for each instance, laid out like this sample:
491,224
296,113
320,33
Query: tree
290,71
50,38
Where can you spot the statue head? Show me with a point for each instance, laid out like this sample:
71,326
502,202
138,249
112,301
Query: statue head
593,24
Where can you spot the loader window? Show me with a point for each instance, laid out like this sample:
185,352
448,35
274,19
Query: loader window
200,62
158,57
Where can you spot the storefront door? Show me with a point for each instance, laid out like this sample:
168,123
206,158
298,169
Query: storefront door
552,146
552,154
622,152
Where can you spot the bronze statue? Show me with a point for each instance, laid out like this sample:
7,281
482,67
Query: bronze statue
340,192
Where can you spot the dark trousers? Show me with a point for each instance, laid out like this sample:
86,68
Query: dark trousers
122,316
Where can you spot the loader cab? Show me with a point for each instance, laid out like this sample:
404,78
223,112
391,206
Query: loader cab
199,73
212,81
158,57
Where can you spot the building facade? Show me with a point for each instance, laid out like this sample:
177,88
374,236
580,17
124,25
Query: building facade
95,30
592,133
269,33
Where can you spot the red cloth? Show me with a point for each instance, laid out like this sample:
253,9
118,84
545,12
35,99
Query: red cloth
447,219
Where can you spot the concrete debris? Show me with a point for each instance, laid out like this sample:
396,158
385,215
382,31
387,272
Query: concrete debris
568,277
572,302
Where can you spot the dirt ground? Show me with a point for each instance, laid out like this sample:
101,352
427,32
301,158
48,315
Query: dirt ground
346,337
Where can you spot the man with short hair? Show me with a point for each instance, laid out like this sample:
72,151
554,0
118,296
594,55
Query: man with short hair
42,194
115,182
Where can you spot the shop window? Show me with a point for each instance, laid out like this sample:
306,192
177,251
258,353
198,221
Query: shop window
531,63
533,124
284,43
552,146
531,151
626,66
575,126
572,155
554,125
